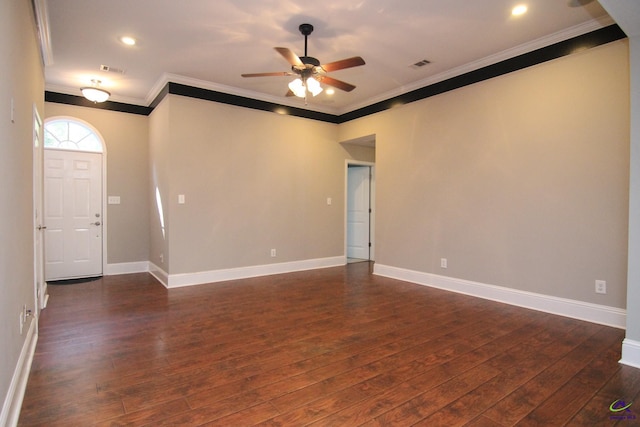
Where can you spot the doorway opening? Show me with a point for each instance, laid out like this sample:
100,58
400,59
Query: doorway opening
73,210
360,214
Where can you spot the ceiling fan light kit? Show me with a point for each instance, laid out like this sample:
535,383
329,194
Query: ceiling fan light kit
309,71
300,87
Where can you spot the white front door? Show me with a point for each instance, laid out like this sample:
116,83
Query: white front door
73,214
38,219
358,211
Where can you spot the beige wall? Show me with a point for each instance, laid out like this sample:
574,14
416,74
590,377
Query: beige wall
252,181
159,138
520,181
126,138
22,81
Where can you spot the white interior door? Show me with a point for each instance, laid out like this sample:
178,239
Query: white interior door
358,211
38,219
73,214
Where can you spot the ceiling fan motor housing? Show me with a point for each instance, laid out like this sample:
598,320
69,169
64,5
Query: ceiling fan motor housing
310,67
310,61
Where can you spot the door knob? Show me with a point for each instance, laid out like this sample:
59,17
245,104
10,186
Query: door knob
95,223
42,227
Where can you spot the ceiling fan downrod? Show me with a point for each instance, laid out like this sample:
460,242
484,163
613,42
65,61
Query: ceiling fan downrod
306,30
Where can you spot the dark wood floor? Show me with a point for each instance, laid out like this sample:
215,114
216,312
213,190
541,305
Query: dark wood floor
331,347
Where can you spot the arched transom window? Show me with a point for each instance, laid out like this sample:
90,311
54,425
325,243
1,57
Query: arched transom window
69,134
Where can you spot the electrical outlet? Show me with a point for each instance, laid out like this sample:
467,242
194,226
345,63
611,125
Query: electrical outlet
273,253
162,258
601,287
443,263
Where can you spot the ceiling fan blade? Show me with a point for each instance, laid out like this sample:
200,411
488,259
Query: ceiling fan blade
356,61
276,74
291,57
290,93
337,83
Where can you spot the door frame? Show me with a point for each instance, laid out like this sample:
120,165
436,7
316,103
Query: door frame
103,177
372,204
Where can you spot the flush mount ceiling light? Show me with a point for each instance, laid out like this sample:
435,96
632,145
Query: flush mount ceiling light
94,93
310,73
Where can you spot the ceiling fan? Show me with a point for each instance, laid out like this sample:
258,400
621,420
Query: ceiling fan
309,70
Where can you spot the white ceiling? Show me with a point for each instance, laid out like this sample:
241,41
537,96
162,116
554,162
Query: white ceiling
208,43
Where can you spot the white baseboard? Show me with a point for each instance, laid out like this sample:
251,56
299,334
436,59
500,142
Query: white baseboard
601,314
198,278
630,353
15,394
159,273
127,268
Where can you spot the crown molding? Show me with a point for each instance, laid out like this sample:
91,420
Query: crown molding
75,91
551,39
547,53
44,34
242,101
81,101
524,56
166,78
524,48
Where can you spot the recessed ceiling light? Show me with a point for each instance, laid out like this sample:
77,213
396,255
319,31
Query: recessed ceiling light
520,9
129,41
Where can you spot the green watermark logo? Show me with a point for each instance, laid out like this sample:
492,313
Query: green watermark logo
620,410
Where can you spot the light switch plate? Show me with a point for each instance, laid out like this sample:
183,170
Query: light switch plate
113,200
